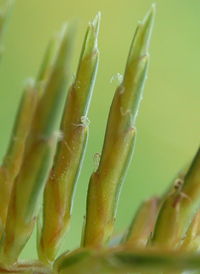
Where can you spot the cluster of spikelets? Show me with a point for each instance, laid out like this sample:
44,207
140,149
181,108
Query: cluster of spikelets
165,233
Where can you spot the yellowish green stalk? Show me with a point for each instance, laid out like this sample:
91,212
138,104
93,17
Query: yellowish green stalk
189,200
38,157
191,241
168,219
178,210
106,182
47,64
20,221
14,156
60,187
46,118
143,224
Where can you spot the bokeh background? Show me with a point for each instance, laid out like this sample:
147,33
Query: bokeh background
168,123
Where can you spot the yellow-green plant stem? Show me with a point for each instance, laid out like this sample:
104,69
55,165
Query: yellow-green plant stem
106,182
60,187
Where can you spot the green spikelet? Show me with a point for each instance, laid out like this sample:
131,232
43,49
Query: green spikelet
106,182
59,191
37,158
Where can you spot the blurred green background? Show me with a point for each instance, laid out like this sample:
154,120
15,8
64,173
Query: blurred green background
169,117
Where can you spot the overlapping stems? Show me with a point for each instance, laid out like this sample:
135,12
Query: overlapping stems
42,159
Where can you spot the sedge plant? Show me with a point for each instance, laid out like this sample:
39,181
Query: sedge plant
43,160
